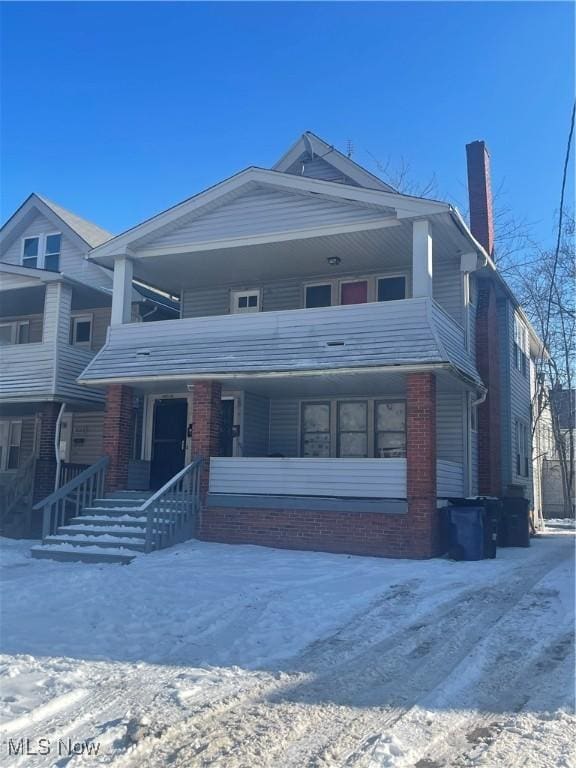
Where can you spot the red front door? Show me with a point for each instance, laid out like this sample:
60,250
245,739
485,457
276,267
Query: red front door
354,293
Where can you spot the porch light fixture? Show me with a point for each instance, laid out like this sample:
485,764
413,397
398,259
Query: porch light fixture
333,260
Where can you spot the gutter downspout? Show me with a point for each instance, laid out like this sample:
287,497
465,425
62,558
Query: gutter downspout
57,446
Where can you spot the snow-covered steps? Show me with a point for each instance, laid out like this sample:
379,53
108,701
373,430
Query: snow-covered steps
110,531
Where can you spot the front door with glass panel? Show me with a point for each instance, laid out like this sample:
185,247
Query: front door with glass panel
168,440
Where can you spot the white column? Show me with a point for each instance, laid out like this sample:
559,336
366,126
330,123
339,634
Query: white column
122,291
421,259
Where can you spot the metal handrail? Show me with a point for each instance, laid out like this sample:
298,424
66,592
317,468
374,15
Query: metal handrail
69,500
172,511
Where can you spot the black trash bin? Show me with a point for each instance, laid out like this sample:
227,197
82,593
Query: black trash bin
473,537
514,528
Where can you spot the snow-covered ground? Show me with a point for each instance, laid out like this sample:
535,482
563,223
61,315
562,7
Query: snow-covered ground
213,655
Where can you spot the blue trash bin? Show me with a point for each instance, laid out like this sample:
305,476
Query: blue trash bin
466,532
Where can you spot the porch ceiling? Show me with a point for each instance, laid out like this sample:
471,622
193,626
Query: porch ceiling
372,384
361,251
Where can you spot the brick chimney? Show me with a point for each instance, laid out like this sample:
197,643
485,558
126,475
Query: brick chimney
480,195
487,331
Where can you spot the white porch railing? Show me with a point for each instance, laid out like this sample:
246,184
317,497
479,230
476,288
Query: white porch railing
351,478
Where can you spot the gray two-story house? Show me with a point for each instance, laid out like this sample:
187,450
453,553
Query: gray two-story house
55,310
346,358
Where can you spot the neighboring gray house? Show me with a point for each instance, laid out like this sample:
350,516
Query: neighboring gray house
563,404
54,315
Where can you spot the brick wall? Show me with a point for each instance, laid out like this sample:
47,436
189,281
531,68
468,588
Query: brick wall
45,467
488,365
206,426
117,435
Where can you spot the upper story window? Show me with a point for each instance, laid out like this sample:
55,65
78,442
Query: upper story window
318,295
42,251
391,288
81,330
14,332
521,347
245,301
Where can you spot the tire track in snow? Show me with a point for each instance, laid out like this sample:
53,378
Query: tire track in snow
329,718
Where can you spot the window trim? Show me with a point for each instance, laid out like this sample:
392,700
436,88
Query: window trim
15,326
333,402
42,238
372,280
79,318
235,294
5,453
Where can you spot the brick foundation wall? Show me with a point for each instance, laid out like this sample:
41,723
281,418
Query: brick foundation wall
117,435
45,466
206,426
488,365
353,533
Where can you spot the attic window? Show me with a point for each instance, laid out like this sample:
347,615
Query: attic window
42,251
245,301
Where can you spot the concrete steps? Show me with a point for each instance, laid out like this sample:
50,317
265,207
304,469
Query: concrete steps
110,531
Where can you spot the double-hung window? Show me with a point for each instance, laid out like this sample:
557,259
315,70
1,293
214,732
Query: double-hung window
391,288
10,440
390,429
318,295
42,251
14,332
316,431
353,429
521,347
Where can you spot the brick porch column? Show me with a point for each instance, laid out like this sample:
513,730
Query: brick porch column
206,425
423,534
45,467
117,435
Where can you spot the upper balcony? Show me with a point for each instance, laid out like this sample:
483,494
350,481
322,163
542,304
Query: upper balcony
398,336
38,357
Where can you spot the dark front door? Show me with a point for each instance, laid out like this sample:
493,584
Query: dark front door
168,440
227,431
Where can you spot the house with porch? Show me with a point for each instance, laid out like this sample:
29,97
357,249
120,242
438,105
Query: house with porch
54,314
343,363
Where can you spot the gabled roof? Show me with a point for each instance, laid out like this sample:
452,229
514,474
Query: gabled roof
310,147
403,206
90,234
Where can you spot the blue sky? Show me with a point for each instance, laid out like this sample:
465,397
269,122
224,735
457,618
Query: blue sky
119,110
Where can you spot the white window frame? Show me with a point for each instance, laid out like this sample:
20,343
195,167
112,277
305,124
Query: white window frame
15,326
333,402
41,257
522,457
237,294
372,281
75,319
318,284
5,434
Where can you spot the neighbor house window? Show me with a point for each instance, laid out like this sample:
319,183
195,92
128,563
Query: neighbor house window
10,439
353,429
521,347
316,433
390,429
42,251
391,288
81,330
522,446
318,296
245,301
15,332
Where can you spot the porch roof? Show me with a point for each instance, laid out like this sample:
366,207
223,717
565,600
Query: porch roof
393,335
